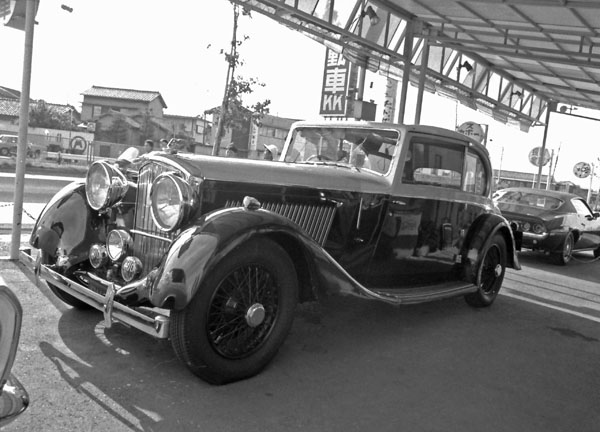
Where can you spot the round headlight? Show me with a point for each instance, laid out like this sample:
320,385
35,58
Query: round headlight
538,228
117,244
171,201
104,185
526,226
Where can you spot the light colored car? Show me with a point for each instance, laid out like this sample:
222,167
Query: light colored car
13,397
7,144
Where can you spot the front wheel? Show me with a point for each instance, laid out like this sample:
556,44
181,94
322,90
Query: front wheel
490,273
566,253
240,315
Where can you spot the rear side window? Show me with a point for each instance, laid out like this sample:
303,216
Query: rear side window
445,165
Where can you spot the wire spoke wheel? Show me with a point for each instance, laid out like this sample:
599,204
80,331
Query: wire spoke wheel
242,311
491,270
240,315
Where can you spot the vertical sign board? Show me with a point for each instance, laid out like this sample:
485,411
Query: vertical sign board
389,103
335,84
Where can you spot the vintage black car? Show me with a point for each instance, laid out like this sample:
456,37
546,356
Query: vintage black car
556,223
215,253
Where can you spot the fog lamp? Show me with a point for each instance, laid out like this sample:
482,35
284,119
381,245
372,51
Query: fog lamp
131,268
98,255
117,244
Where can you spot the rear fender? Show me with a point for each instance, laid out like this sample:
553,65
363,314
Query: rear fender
478,238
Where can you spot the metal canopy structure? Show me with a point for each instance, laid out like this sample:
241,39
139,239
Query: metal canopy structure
507,58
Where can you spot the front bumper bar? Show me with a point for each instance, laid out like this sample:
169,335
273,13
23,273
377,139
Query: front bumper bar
152,321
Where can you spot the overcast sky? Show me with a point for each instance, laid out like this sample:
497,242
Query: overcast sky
174,47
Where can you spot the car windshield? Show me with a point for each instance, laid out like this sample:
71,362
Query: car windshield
530,199
362,148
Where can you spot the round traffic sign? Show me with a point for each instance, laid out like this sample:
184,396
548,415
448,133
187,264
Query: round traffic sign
582,169
473,130
535,159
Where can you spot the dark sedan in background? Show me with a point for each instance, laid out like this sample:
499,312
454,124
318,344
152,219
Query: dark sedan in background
557,223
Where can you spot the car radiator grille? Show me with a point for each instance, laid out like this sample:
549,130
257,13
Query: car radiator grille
149,243
315,220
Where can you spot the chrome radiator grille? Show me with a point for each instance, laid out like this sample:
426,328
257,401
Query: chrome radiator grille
149,243
315,220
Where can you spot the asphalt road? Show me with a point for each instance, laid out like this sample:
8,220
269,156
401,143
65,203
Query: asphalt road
528,363
348,365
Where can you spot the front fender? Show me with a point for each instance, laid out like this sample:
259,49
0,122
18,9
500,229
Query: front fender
66,225
480,235
197,250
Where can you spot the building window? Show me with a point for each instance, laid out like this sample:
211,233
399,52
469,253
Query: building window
96,111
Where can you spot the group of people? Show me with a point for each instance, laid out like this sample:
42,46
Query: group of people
271,152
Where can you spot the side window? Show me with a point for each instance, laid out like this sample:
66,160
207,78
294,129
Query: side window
475,178
435,164
581,207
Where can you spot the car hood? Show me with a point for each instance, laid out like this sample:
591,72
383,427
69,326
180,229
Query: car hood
319,176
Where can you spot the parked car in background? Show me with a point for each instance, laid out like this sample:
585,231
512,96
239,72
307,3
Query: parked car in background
556,223
13,397
7,144
215,253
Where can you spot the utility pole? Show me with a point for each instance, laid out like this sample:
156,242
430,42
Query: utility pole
30,11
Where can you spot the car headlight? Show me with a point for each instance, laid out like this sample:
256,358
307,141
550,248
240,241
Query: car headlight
538,228
117,244
104,185
172,200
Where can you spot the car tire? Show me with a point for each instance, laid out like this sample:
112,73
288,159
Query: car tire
490,273
597,252
63,296
4,152
566,253
240,315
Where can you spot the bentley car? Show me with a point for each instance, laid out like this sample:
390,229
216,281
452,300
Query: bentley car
556,223
215,253
13,396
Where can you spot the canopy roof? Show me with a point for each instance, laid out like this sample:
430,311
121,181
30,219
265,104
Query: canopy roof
520,54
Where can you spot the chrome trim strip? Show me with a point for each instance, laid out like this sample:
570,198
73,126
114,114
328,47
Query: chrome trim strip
154,236
153,323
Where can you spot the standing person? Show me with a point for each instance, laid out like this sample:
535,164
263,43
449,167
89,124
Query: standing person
271,152
148,146
231,150
164,143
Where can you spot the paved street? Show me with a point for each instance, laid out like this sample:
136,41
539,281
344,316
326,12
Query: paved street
347,365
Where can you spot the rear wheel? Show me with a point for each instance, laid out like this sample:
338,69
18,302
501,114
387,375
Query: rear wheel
240,315
490,273
4,151
566,253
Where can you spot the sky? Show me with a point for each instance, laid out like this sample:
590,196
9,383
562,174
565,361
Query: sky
174,48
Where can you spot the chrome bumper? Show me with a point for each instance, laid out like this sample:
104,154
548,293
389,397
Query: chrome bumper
151,321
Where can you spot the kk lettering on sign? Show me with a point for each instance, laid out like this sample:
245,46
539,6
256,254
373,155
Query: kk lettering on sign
335,85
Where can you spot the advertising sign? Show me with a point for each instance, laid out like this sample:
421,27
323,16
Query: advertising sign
335,85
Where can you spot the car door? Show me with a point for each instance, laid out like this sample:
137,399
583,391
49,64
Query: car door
588,224
441,193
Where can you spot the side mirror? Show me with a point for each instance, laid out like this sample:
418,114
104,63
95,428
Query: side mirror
13,397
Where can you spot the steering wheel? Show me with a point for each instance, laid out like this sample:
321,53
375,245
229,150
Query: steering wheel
318,157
